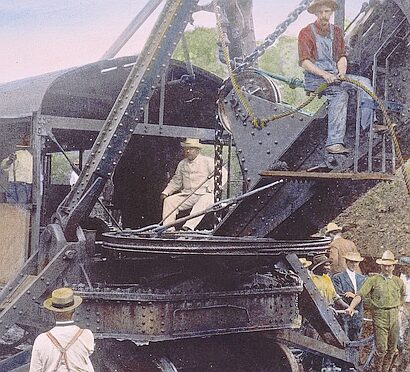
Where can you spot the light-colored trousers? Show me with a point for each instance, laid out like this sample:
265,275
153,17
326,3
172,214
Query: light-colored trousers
198,203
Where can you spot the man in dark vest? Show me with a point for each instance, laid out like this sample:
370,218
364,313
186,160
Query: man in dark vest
322,54
347,283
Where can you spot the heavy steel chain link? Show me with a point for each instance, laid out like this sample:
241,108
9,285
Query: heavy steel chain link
270,39
260,50
218,167
256,121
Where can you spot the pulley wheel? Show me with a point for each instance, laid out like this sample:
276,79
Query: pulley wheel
252,82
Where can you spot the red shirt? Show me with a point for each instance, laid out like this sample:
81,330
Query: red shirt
307,43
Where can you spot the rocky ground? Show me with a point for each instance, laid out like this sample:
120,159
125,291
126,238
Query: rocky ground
380,219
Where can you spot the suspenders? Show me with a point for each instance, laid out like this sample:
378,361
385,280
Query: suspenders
63,350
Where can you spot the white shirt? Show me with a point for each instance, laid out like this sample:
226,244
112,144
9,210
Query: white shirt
352,276
73,178
21,170
406,280
190,174
45,356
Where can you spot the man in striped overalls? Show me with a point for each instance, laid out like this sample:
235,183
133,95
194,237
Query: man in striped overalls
66,347
322,54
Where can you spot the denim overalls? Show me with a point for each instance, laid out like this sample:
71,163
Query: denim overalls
337,95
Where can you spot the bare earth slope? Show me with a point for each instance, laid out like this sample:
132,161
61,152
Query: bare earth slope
380,219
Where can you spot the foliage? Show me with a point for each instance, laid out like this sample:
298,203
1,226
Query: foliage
60,167
202,50
280,59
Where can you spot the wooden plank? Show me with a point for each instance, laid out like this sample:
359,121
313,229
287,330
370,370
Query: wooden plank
329,176
14,237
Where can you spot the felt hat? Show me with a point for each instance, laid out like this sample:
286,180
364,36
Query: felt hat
24,142
62,300
320,260
305,263
332,4
191,143
353,256
387,259
332,227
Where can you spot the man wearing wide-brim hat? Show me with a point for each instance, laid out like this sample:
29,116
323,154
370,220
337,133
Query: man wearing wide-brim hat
338,248
192,185
305,262
320,277
65,347
384,293
322,54
347,283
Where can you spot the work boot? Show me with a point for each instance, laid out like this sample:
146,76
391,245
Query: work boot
378,362
338,148
388,360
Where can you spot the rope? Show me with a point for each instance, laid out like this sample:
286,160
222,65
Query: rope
390,128
261,122
256,121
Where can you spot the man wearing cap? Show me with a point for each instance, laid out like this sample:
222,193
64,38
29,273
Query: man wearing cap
322,54
65,347
384,293
321,279
192,185
19,167
347,283
338,248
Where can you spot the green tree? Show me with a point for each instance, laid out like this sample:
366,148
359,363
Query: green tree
202,50
280,59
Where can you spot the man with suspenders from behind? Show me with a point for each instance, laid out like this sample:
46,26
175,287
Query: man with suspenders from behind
66,347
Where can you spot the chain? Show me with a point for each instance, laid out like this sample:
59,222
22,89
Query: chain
218,167
256,121
270,39
260,50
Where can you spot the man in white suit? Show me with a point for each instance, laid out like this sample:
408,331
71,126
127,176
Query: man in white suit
192,185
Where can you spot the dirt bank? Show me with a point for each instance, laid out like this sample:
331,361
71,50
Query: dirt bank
380,219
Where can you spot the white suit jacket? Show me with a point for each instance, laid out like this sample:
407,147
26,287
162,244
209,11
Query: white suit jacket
190,174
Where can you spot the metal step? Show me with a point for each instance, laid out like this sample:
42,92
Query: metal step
362,176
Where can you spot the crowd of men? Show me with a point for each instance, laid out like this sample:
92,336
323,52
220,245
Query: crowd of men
339,280
337,276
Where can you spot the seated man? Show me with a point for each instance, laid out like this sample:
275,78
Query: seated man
322,55
192,185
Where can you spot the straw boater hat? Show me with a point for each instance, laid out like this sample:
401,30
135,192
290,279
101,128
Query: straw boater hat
387,259
353,256
305,263
320,260
332,4
332,227
192,143
62,300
